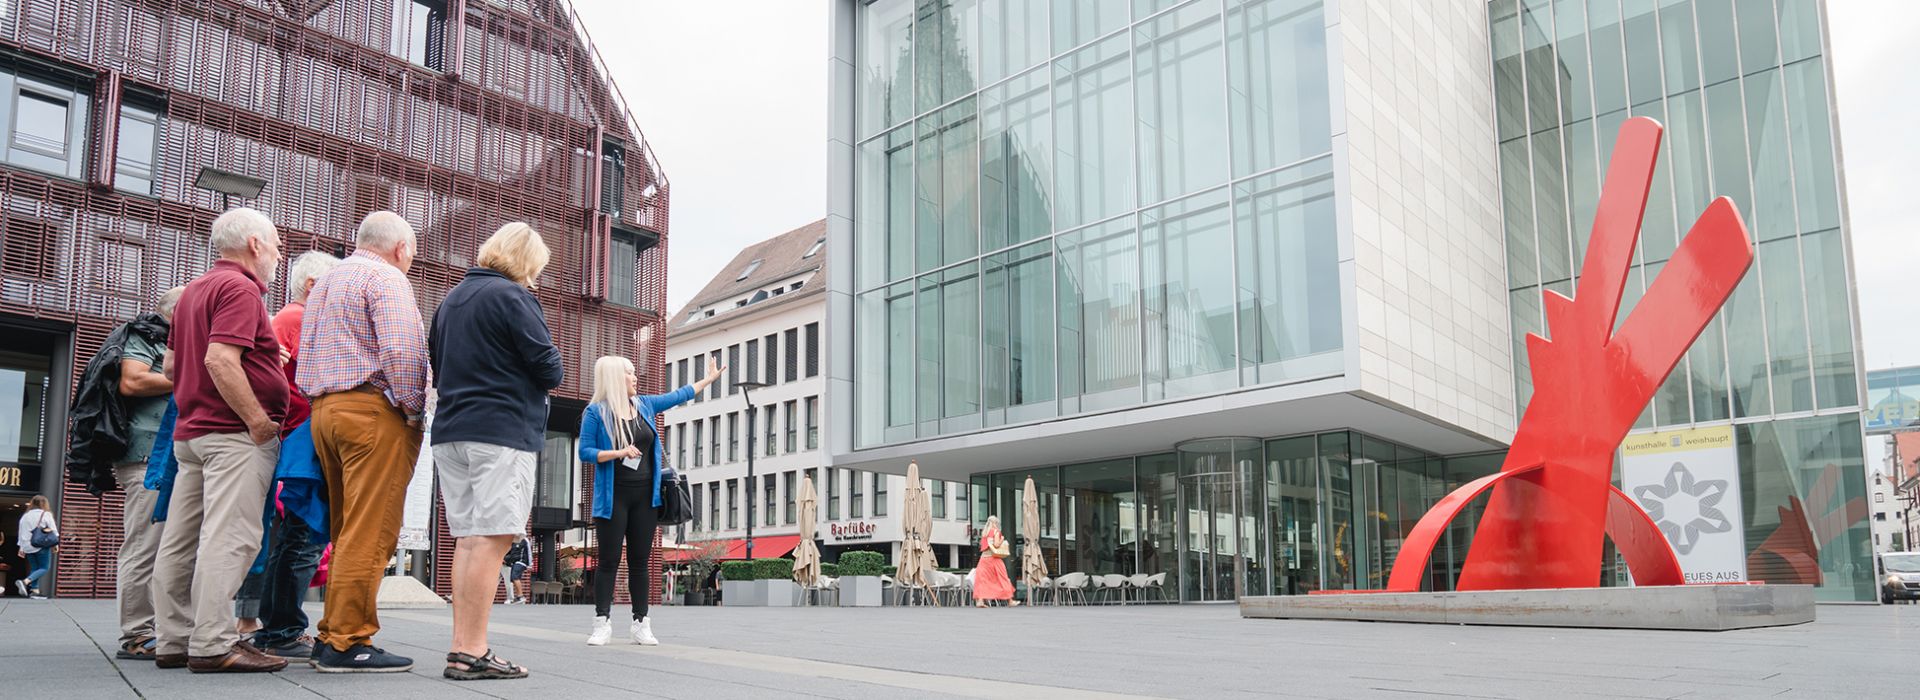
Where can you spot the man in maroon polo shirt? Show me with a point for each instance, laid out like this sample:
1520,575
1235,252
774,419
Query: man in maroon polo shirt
232,397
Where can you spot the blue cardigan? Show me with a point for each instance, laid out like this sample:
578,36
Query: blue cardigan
594,438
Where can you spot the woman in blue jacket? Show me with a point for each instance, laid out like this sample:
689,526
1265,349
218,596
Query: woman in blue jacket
618,434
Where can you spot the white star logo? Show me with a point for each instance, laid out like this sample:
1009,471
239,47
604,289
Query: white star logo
1683,508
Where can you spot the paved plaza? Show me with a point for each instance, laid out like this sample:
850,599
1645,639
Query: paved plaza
63,649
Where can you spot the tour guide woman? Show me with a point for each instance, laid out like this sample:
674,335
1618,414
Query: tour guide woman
617,434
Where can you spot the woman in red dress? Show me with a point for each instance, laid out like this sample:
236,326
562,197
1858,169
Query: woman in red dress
990,580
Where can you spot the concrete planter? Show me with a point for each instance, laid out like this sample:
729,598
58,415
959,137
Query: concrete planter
740,594
778,593
861,592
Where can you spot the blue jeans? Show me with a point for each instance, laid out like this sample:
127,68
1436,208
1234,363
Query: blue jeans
291,563
37,565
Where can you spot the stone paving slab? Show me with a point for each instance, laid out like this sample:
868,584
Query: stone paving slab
63,648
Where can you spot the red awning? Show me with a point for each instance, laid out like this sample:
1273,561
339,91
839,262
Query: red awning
763,548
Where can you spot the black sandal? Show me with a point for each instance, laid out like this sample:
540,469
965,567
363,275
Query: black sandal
482,668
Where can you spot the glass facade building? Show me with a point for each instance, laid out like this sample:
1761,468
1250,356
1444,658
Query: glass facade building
1077,206
1741,86
1087,241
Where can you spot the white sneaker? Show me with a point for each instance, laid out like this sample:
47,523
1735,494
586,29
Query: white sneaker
602,631
642,632
22,585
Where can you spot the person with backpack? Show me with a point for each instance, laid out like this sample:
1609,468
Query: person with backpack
514,567
39,535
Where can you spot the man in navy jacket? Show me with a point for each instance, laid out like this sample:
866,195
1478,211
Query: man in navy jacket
493,363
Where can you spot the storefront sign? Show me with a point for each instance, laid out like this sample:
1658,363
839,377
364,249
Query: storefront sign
857,530
416,521
12,478
1689,483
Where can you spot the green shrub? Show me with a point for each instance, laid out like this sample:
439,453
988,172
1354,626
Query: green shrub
737,570
773,569
862,564
832,570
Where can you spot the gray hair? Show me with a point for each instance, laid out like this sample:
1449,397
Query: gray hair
309,266
168,300
381,231
233,229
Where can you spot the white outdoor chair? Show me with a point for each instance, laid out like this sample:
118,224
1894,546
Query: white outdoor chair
1137,585
1155,584
1070,587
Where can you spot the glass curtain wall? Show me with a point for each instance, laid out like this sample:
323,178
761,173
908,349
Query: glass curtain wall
1226,517
1741,86
1044,191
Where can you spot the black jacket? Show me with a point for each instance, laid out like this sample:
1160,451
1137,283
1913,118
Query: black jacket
98,422
493,363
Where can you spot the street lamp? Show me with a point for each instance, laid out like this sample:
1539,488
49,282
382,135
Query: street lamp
746,392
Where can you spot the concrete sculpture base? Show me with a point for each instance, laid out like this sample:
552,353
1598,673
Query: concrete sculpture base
1707,608
407,593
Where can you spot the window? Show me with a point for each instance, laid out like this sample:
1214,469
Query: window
679,435
813,349
697,511
815,249
744,273
733,370
793,354
623,265
713,432
773,360
713,390
613,178
419,32
768,486
880,494
713,506
795,287
792,432
699,369
48,131
733,436
854,508
733,504
681,379
1879,498
753,360
939,499
138,154
793,493
771,433
833,494
813,422
699,456
1882,517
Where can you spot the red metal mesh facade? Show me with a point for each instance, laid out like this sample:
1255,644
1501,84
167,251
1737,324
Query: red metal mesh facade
319,98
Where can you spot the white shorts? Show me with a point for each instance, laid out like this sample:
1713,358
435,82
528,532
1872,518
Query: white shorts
488,489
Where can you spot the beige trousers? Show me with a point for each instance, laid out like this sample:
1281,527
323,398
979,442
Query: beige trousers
139,542
212,535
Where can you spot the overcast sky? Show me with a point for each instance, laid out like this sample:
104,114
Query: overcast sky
733,96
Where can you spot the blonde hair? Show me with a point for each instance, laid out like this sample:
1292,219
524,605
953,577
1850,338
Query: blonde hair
993,523
517,251
39,501
610,391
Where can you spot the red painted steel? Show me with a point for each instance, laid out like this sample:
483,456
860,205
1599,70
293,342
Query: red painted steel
320,98
1591,382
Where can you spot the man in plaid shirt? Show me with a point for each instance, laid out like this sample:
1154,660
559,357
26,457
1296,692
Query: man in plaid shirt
363,360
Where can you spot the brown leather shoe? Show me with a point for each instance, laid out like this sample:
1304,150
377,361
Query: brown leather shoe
243,658
170,660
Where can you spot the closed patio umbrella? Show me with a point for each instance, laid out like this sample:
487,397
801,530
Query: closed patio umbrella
916,555
806,556
1033,567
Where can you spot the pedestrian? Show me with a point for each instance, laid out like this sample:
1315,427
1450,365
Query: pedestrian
231,397
618,435
363,362
493,364
514,568
144,388
294,548
38,523
990,580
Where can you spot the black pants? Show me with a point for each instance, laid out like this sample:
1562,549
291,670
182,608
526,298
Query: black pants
633,523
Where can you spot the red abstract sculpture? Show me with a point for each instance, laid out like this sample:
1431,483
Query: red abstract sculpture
1553,502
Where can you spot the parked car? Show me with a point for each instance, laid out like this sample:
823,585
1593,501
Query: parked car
1899,576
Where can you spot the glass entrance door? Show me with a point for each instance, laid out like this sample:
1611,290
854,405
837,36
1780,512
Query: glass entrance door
1218,529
